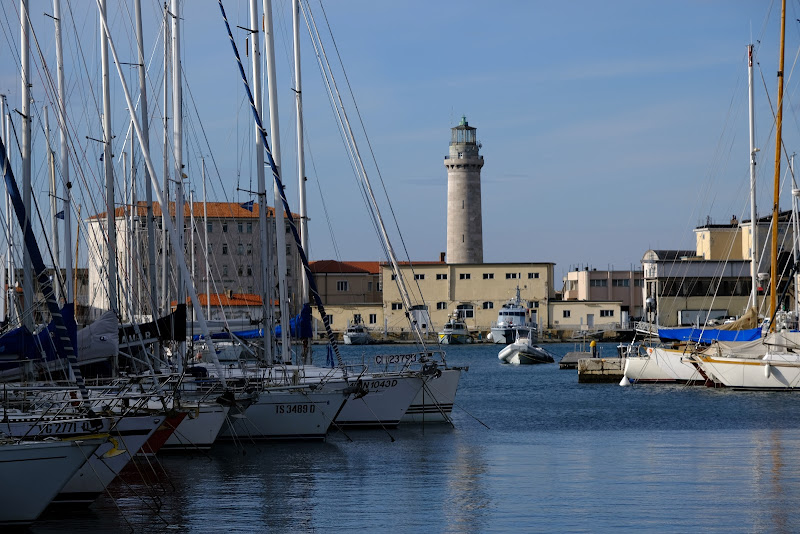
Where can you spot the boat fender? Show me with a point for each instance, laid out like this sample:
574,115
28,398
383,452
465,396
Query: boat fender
767,370
625,381
489,337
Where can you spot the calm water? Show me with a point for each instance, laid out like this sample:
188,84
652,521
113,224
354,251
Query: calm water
557,456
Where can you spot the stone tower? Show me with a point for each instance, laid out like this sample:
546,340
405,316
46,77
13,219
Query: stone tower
464,221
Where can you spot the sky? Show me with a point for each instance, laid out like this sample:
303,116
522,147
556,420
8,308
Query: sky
607,128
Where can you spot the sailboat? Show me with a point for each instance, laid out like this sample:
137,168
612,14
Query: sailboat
772,363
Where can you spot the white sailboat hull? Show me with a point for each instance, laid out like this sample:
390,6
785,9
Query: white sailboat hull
435,399
32,473
775,371
286,414
661,365
200,428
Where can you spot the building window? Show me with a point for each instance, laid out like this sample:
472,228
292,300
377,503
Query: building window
533,275
224,249
249,249
466,311
250,289
224,228
565,313
288,227
210,249
240,249
373,318
210,227
249,270
606,313
342,285
380,286
239,270
620,282
598,283
512,276
394,277
329,319
397,305
488,305
464,276
224,270
638,282
533,303
289,249
369,286
241,227
249,228
441,276
488,276
356,318
419,277
441,305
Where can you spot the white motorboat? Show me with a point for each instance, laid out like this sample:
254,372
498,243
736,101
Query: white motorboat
512,315
455,331
357,334
524,351
33,472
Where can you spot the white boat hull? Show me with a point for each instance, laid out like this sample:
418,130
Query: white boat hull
524,353
32,473
455,339
356,339
200,428
127,437
661,365
435,399
779,371
286,414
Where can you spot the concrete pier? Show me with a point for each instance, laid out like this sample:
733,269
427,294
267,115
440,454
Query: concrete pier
570,359
595,370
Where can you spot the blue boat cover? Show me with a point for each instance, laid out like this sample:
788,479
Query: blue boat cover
20,344
300,325
707,335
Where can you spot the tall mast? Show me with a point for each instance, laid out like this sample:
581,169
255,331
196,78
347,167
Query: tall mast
51,169
262,189
177,148
165,188
148,187
66,186
754,246
10,264
27,279
301,166
109,174
775,207
280,225
205,241
5,302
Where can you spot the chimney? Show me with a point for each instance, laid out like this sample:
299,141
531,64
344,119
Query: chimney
441,256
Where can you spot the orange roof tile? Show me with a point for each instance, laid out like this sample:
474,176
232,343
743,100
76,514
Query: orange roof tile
222,299
333,266
216,210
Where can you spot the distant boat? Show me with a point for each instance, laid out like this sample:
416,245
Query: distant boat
455,331
357,334
512,315
524,351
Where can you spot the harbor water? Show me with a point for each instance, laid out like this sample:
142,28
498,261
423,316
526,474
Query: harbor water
531,450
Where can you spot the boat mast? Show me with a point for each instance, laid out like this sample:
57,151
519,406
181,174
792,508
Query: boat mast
5,303
109,174
165,169
301,166
27,279
11,266
775,207
262,189
205,240
51,169
177,142
753,214
280,225
148,187
66,186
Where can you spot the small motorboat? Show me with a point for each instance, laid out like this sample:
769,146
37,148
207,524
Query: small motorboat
523,350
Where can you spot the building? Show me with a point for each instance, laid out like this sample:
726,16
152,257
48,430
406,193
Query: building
624,287
233,254
464,220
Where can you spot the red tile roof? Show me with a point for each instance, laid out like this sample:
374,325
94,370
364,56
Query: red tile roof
216,210
222,299
333,266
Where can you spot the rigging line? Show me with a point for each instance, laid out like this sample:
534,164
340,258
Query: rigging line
369,145
293,227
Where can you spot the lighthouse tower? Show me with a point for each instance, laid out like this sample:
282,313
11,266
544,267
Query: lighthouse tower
464,221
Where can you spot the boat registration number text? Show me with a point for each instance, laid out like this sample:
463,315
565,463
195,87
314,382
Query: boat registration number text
64,427
378,384
381,359
295,408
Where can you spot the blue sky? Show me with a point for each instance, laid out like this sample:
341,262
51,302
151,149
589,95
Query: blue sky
608,128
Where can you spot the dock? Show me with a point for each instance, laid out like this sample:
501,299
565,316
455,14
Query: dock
570,359
596,370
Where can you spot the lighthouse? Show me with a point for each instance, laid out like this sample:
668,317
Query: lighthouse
464,221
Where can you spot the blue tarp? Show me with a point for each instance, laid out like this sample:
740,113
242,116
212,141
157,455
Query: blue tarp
707,335
20,344
242,334
299,326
